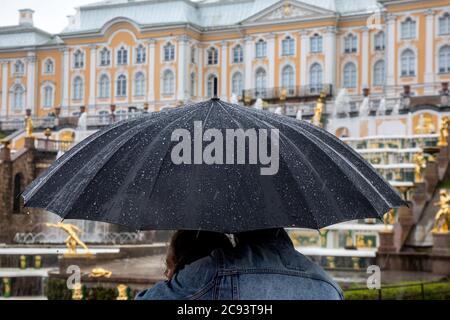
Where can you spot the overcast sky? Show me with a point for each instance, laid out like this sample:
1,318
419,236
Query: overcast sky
51,15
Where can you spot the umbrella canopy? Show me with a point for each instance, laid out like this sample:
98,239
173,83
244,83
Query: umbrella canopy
126,174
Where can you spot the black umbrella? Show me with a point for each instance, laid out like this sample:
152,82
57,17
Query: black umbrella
126,174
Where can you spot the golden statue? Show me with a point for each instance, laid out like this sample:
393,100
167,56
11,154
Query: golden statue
29,126
421,164
283,95
389,218
77,292
442,219
122,292
100,273
318,111
360,243
73,240
443,137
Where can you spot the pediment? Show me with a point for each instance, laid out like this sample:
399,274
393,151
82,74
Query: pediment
288,10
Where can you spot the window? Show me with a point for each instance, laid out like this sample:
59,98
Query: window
141,54
351,43
316,43
238,54
193,55
169,52
261,49
18,97
350,75
288,46
213,56
444,59
261,83
78,59
444,24
168,83
104,87
78,88
19,67
48,97
379,73
212,79
121,88
49,67
105,57
408,29
380,41
139,84
316,78
288,79
408,63
237,84
122,56
193,85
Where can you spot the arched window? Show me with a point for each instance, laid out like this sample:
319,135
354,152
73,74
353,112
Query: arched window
238,54
121,88
78,88
49,66
379,73
316,78
104,87
408,63
48,96
122,56
168,83
213,56
19,67
18,97
444,24
169,52
78,59
288,46
18,188
316,43
350,75
380,41
444,59
141,54
193,85
105,57
408,29
237,84
261,49
261,83
212,79
139,84
288,78
351,43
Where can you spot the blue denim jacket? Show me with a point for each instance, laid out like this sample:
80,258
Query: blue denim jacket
263,270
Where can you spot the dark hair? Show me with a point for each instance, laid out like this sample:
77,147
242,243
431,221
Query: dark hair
259,235
187,247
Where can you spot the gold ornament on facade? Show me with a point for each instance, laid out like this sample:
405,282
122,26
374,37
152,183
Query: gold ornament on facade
442,219
287,10
420,165
122,292
100,273
73,240
443,136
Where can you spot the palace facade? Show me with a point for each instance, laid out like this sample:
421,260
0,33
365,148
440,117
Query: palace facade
164,52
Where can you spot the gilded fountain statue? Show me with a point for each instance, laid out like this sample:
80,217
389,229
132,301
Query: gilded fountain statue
73,240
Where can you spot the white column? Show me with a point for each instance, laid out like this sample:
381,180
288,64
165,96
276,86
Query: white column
390,54
248,62
200,72
65,80
151,71
271,54
182,67
365,58
429,54
224,72
304,40
330,56
4,107
92,77
31,82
